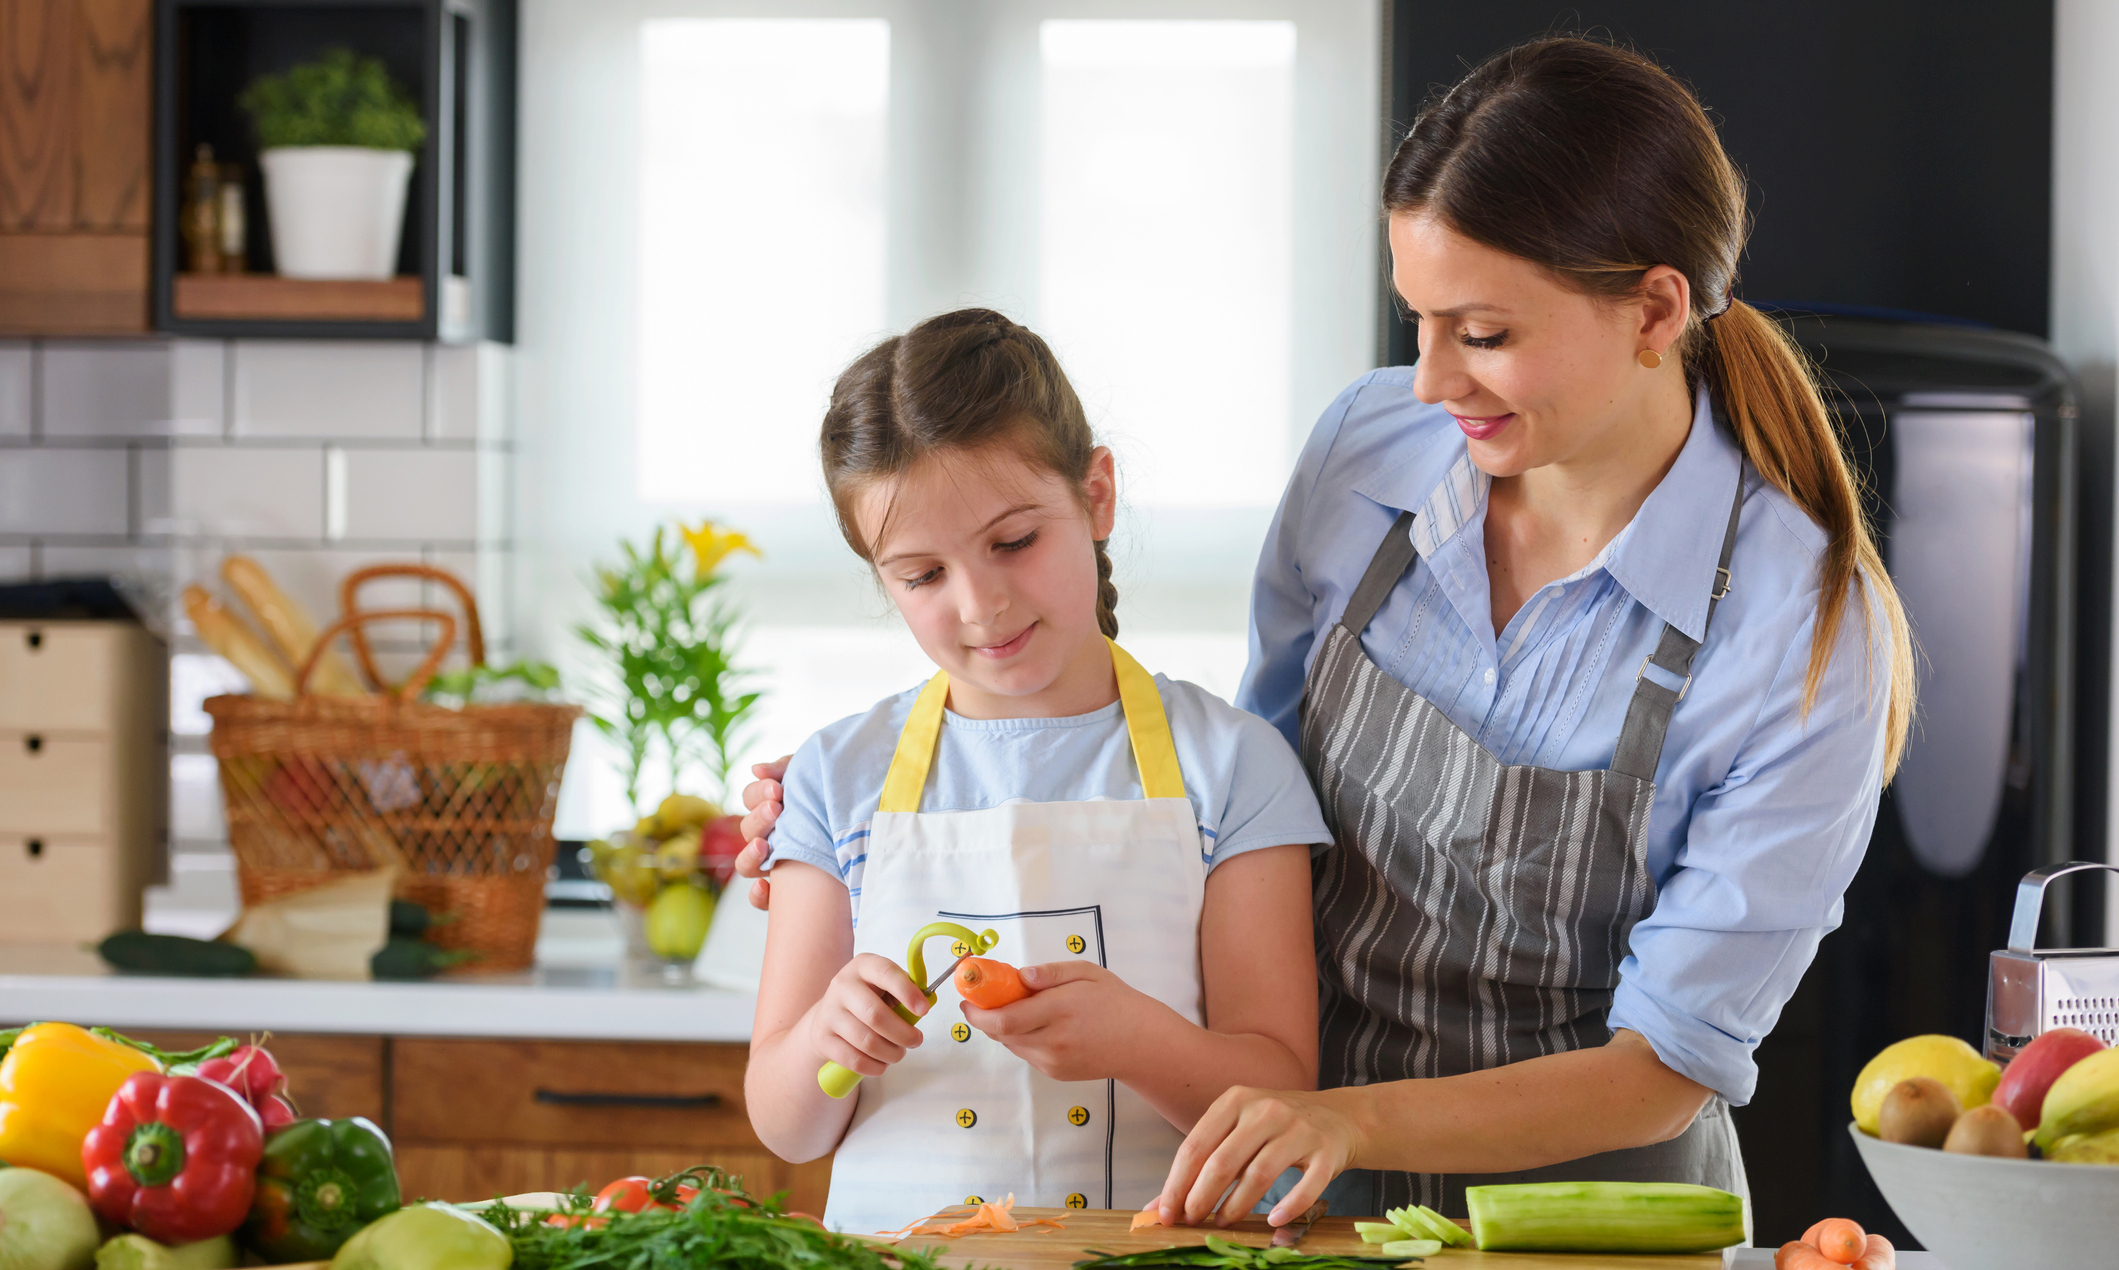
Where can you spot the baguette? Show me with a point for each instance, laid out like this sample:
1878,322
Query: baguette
224,633
290,628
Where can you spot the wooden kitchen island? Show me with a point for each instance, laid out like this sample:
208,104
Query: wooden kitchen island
1105,1231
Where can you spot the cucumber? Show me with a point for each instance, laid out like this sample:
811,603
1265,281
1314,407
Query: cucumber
1643,1217
1378,1232
403,958
1419,1221
138,951
1412,1248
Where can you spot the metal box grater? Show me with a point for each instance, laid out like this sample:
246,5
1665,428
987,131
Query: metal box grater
2032,990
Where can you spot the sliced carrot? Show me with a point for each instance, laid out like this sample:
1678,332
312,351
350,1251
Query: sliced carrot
1146,1217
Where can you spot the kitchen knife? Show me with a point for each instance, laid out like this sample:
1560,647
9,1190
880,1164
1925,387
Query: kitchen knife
1291,1234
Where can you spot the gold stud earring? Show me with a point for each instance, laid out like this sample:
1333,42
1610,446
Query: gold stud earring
1649,359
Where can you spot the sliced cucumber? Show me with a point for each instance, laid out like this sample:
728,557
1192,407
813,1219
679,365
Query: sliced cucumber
1378,1232
1412,1248
1445,1230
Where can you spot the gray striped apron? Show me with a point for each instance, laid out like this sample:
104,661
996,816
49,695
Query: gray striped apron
1474,914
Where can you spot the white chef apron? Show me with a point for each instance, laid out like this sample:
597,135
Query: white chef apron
1118,883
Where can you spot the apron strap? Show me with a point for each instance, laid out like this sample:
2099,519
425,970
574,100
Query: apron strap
1147,727
1388,565
1640,745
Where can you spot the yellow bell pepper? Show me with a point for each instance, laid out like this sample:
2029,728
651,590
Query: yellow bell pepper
54,1085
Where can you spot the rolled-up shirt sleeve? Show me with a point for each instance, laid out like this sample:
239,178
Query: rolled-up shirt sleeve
1767,854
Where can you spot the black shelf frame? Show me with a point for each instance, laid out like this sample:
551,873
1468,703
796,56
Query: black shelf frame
458,60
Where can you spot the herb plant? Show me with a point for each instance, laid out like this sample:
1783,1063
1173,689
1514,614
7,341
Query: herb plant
675,692
342,99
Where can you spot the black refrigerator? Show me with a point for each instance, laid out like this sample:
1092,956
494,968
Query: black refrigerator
1966,438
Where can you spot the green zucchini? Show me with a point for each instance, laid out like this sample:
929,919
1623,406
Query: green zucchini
136,950
403,958
1642,1217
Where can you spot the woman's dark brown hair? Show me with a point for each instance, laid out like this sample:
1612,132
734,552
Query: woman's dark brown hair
964,381
1593,162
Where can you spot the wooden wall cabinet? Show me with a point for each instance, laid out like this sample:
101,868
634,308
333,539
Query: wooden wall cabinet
76,86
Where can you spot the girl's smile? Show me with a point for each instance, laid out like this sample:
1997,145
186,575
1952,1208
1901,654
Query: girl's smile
1008,647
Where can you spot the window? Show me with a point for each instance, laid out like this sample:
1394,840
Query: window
723,202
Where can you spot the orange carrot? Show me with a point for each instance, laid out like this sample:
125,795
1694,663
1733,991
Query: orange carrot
1801,1256
1149,1216
1840,1240
1877,1254
989,984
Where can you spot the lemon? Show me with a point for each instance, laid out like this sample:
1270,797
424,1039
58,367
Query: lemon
1944,1058
685,811
630,873
677,920
678,858
650,829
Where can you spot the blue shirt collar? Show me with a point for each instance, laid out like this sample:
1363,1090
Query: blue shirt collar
1665,558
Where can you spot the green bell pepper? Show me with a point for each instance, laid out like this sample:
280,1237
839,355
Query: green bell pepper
319,1182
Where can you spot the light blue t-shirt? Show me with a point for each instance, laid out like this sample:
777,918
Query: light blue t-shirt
1247,788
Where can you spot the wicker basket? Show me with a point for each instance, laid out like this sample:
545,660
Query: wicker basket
460,800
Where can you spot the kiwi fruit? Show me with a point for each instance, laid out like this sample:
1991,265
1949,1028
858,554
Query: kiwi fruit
1919,1112
1987,1130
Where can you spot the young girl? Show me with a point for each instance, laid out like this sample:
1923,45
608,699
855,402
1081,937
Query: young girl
1140,848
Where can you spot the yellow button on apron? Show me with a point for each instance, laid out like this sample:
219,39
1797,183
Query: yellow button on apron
1075,943
1077,1200
966,1117
973,1199
960,1031
959,949
1077,1115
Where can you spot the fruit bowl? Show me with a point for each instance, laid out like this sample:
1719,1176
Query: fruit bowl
1977,1212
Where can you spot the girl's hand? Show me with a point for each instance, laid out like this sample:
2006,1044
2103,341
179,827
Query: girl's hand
1081,1023
761,807
1244,1141
853,1024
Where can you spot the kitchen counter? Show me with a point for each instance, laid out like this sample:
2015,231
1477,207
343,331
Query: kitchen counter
577,991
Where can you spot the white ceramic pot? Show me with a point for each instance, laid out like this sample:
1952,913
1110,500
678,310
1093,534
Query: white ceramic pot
1975,1212
335,211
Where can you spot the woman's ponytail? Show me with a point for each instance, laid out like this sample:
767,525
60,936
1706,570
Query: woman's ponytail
1593,162
1762,381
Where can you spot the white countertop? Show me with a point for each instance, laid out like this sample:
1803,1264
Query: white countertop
578,991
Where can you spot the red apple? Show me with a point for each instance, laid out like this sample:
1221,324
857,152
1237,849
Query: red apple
721,841
2030,1074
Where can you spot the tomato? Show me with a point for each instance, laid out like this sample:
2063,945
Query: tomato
626,1195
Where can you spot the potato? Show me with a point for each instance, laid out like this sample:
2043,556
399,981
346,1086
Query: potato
1918,1112
1987,1130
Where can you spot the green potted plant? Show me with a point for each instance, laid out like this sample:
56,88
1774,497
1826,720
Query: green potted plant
335,142
674,702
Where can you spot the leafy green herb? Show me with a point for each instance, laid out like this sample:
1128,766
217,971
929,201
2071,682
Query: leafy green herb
721,1227
341,99
1220,1254
494,684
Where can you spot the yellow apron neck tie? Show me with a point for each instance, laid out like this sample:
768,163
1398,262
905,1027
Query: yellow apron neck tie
1147,727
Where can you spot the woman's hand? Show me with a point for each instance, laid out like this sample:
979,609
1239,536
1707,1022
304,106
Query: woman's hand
761,807
1081,1023
1246,1139
853,1025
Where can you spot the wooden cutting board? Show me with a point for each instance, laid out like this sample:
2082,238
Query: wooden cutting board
1105,1231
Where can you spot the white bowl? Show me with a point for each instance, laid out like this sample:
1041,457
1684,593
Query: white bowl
1976,1212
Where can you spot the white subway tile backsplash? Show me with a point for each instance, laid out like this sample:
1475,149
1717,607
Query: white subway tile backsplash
412,495
300,388
17,379
149,564
496,495
16,564
229,492
468,392
115,389
195,808
153,513
198,387
63,491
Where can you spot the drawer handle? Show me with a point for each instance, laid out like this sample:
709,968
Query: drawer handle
666,1102
36,640
35,743
36,847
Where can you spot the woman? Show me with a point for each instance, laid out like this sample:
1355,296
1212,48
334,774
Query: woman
1590,656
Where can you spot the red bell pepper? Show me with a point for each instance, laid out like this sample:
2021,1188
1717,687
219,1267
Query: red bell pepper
174,1158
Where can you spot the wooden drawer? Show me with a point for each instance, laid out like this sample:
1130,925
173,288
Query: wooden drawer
573,1094
65,890
59,676
331,1077
55,784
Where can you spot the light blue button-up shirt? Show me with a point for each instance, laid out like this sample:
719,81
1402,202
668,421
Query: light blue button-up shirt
1762,811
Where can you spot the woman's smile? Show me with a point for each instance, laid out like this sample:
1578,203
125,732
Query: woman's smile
1483,428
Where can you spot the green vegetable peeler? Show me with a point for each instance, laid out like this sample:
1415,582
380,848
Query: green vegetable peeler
839,1081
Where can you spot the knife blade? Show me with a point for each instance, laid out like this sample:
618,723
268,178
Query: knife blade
1291,1234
